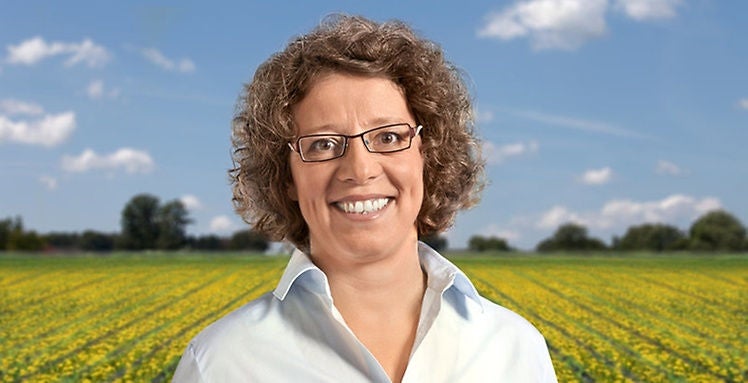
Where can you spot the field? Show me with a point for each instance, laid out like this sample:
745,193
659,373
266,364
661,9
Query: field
606,319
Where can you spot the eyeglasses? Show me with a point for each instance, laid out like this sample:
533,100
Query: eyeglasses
384,139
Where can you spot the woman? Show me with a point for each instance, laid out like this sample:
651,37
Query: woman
351,143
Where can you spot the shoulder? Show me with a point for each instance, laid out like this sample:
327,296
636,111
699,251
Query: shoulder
240,346
492,324
508,322
499,340
509,334
238,327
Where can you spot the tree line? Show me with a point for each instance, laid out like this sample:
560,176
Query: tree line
715,231
146,224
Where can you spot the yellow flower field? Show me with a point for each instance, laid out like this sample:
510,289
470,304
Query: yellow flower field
606,319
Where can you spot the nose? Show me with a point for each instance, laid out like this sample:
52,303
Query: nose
358,165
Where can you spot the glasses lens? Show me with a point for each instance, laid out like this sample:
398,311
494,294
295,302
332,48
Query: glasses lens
320,148
388,138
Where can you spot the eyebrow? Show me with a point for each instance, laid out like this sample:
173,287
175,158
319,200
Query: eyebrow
371,124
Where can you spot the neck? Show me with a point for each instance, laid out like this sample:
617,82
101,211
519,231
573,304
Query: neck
374,279
377,283
379,296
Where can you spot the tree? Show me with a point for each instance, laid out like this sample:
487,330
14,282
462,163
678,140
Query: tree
206,242
13,236
570,237
146,224
62,241
95,241
653,237
480,243
7,227
435,241
26,241
718,231
140,228
248,240
172,219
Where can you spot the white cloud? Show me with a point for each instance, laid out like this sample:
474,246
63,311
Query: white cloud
191,202
494,230
743,103
13,107
483,116
669,168
549,24
665,210
184,65
88,52
33,50
131,160
597,176
557,216
642,10
97,91
49,182
568,24
50,130
497,155
221,224
619,214
578,124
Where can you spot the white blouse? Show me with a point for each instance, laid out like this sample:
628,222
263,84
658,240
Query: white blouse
296,334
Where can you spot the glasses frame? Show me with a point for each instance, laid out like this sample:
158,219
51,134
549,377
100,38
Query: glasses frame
414,131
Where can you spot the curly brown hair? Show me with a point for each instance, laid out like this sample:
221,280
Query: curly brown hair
434,90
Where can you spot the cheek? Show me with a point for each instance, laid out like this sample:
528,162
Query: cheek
419,189
410,173
293,189
309,184
419,181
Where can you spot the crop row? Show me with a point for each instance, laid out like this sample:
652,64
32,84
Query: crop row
629,324
605,320
116,324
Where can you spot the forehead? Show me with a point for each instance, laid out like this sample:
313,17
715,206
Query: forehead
345,103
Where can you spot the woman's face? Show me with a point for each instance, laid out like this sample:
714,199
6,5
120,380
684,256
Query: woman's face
388,186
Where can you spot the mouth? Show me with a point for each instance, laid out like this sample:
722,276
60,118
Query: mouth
367,206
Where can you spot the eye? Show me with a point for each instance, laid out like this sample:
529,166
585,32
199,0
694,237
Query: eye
389,138
323,144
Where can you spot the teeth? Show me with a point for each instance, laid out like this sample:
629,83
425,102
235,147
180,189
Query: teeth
364,207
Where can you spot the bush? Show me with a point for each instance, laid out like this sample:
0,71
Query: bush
95,241
62,241
435,241
653,237
248,240
718,231
570,237
480,243
206,242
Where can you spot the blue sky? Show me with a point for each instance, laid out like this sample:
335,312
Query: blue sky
606,113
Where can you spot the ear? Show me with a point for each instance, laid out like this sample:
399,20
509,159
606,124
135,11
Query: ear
292,193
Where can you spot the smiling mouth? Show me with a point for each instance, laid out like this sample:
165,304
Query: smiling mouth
363,207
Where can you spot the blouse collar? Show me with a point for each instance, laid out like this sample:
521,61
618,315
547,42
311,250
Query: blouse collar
442,274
